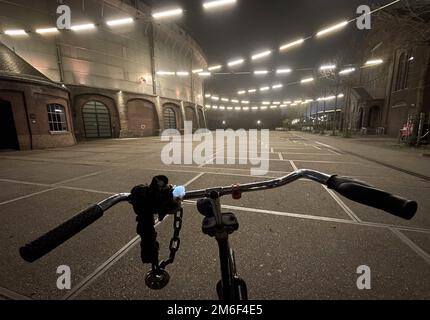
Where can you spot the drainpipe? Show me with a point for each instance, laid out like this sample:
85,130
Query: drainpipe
151,38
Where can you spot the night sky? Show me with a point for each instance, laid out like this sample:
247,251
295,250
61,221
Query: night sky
251,26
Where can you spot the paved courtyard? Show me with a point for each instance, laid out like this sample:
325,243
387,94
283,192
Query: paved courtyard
301,241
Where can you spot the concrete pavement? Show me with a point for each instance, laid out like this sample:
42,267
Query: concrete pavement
296,242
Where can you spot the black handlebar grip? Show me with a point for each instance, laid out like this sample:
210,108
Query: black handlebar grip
52,239
370,196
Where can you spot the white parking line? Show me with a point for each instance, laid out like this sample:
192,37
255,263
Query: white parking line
293,165
27,196
280,156
411,245
342,204
12,295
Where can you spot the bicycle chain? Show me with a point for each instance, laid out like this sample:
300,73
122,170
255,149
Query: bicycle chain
175,242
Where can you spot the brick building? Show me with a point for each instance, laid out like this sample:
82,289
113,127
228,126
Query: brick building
61,87
382,98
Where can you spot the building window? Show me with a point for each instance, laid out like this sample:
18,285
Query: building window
402,72
57,118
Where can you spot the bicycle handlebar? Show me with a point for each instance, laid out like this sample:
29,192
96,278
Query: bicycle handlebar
350,188
362,193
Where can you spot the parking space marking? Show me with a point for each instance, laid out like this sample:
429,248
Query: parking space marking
321,218
411,245
335,152
102,268
83,176
293,165
27,196
342,204
280,156
12,295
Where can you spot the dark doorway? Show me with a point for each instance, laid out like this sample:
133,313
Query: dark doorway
169,118
8,136
374,116
97,122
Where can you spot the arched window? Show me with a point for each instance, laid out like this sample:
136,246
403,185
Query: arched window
402,76
96,117
169,116
56,118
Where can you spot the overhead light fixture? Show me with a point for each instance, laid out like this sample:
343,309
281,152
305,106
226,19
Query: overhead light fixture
261,55
332,28
197,70
234,101
307,80
347,71
287,102
83,27
374,62
16,32
276,103
283,71
266,103
261,72
291,44
283,105
167,13
215,98
47,30
165,73
229,108
328,67
225,99
340,95
273,107
182,73
218,3
238,108
222,108
119,22
217,67
215,107
235,62
277,86
265,89
252,90
207,95
245,108
254,108
204,74
263,108
241,92
244,102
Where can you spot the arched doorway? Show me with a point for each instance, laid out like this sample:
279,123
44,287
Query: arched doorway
169,116
360,123
8,136
374,117
202,119
97,120
142,118
190,115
